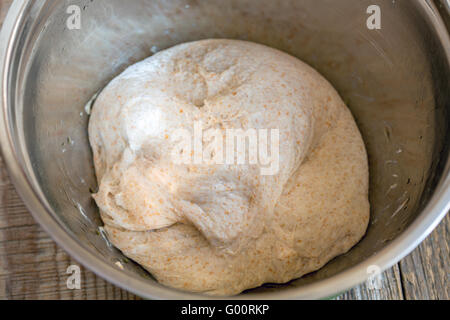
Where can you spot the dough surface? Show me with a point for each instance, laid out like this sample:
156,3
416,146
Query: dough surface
221,229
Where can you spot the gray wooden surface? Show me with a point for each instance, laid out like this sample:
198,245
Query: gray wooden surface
32,266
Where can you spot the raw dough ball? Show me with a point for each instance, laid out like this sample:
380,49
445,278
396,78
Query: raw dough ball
221,229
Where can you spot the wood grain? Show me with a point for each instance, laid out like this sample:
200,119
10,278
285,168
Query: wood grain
32,266
425,271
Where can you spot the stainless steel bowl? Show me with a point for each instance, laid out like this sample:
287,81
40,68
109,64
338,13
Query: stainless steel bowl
395,80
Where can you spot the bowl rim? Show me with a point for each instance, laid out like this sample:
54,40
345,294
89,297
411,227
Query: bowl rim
434,211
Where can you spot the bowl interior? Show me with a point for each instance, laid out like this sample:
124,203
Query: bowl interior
395,81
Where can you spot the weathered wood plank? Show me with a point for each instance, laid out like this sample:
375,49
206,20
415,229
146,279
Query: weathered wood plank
426,271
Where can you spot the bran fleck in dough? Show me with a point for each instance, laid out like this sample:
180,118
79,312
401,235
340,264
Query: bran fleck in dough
221,229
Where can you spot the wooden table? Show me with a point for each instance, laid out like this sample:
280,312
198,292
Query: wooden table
33,266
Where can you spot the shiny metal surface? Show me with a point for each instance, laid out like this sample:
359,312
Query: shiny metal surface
395,80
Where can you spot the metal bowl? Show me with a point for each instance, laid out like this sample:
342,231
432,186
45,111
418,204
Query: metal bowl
394,79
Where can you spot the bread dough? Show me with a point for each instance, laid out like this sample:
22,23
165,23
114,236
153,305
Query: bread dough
221,229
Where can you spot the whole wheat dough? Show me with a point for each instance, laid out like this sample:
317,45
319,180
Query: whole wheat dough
221,229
